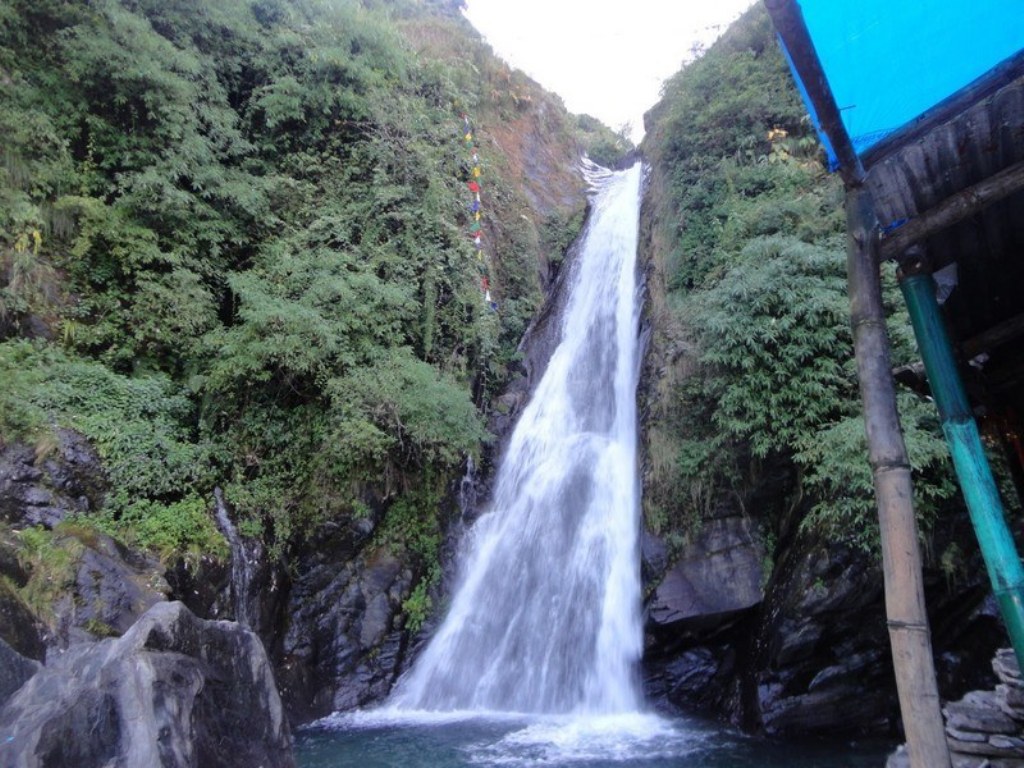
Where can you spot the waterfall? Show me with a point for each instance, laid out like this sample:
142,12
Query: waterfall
241,563
546,614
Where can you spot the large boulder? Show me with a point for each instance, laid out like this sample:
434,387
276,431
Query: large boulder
699,612
174,691
718,575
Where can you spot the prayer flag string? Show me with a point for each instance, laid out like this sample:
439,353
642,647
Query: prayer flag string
476,228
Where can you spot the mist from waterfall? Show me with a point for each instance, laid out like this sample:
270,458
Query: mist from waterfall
545,618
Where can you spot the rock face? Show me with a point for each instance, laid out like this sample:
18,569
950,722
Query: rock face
19,627
111,587
68,482
717,575
821,662
342,644
174,691
103,587
15,670
808,653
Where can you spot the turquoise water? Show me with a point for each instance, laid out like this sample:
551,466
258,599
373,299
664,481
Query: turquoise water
381,740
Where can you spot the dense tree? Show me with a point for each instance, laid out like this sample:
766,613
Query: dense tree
756,316
233,251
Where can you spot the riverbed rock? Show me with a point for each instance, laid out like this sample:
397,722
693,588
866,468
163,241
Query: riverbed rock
173,691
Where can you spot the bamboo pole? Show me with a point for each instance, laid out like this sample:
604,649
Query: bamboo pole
909,635
972,467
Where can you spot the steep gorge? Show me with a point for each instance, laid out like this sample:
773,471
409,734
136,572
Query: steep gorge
234,257
236,260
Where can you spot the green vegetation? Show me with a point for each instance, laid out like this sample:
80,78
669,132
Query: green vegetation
233,251
603,147
749,239
50,559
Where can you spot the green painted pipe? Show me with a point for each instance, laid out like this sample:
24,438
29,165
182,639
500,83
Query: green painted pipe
972,468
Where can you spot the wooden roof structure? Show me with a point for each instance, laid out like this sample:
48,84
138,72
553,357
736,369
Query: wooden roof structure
947,187
950,188
952,185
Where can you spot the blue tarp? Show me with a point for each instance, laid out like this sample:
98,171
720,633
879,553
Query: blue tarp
889,61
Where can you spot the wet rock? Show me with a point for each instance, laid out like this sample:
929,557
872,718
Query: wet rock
343,645
19,627
716,576
108,587
173,691
696,680
821,711
10,566
15,671
202,584
654,558
115,585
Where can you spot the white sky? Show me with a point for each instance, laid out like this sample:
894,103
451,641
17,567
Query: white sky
606,58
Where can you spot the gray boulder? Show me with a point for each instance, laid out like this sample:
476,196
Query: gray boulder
174,691
719,575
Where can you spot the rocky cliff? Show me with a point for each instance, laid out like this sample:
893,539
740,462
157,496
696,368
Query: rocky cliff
222,369
307,331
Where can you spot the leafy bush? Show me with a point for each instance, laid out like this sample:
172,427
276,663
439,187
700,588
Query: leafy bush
170,529
138,425
242,227
755,268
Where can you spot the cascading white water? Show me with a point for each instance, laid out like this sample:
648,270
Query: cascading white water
546,615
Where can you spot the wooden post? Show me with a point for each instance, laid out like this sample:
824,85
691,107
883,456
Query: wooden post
972,468
953,209
909,635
